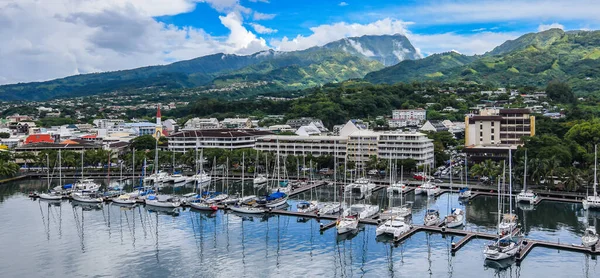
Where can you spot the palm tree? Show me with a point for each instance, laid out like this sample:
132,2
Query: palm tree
8,169
551,164
488,168
571,177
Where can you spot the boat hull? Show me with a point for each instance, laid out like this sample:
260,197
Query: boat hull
154,203
246,210
50,197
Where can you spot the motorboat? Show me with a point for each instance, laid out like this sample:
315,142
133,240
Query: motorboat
178,178
432,218
124,199
397,188
307,207
428,188
218,198
590,237
330,208
455,219
363,211
393,212
527,197
162,201
159,177
204,206
361,186
347,224
508,223
501,249
87,185
240,208
86,197
464,193
51,196
259,181
395,227
202,179
591,202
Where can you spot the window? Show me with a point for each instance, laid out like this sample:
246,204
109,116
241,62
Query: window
481,134
492,138
492,131
492,124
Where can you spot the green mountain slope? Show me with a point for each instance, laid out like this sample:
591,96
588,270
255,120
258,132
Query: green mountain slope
433,67
333,62
534,60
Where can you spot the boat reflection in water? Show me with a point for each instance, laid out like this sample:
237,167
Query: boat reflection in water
499,265
165,211
349,235
86,206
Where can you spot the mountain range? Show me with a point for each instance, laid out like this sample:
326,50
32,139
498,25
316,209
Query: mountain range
334,62
533,59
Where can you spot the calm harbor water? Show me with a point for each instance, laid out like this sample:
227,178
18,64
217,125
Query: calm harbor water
65,240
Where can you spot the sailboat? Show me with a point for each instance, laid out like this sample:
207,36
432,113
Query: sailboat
50,195
465,192
396,226
312,205
432,217
590,236
279,196
259,179
404,210
335,206
240,206
509,220
123,199
398,187
593,202
427,187
346,221
456,217
160,201
505,246
526,196
86,189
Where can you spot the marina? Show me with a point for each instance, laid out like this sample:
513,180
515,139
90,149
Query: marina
459,243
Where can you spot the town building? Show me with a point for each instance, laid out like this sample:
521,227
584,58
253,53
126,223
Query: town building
407,117
493,132
236,123
230,139
200,124
107,123
433,126
67,145
304,121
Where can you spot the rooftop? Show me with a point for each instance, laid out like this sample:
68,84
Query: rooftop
221,133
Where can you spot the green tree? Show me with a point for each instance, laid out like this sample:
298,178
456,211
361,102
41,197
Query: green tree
586,134
8,169
4,135
560,92
144,142
488,168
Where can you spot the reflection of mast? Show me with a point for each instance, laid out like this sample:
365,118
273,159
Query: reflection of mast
156,235
429,254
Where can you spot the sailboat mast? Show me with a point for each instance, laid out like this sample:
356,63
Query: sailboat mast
510,181
595,169
243,171
48,168
133,169
334,169
525,173
82,164
59,168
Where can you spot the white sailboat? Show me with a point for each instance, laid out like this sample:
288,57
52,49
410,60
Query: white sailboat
160,201
402,211
465,192
398,187
308,206
509,220
593,202
456,218
526,196
505,246
394,227
335,206
123,199
590,236
427,187
51,195
432,217
346,223
259,179
241,207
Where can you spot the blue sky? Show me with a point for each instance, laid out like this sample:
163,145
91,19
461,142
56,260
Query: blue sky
43,40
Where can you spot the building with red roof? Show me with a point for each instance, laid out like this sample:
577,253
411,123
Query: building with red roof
39,138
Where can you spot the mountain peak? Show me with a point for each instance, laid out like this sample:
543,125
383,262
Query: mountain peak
387,49
539,40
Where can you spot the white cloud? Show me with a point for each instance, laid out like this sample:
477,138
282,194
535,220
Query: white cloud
544,27
262,29
261,16
46,40
330,32
469,44
343,4
254,1
500,11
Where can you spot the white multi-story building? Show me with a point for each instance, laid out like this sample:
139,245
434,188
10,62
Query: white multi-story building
107,123
214,139
236,123
354,142
407,117
199,123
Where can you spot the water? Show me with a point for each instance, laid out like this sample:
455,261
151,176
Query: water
38,238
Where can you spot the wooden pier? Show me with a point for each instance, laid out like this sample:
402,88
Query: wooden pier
306,188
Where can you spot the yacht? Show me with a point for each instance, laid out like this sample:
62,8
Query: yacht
124,199
159,177
162,201
397,188
306,206
276,199
363,211
428,188
86,197
259,181
330,208
202,179
590,237
395,227
455,219
526,196
501,249
178,179
465,193
87,185
401,211
204,206
432,218
361,186
241,208
508,223
347,224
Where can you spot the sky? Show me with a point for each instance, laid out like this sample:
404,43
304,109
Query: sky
48,39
